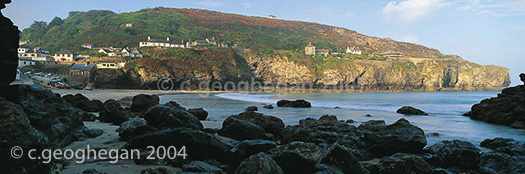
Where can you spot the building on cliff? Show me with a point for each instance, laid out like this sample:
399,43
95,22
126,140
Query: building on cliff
161,43
353,50
391,54
309,49
37,54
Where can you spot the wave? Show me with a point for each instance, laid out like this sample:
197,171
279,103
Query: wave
272,99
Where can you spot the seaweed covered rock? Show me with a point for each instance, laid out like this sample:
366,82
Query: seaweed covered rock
296,157
259,163
270,124
409,110
241,130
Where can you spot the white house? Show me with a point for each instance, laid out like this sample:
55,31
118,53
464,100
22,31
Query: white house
22,62
65,56
109,65
353,50
161,43
38,54
271,17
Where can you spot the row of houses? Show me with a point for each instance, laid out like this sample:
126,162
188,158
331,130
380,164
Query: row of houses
170,44
124,52
311,50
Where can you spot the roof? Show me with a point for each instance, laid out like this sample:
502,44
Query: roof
136,51
125,49
66,52
211,40
83,67
201,41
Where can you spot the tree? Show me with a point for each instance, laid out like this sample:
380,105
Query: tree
57,21
35,31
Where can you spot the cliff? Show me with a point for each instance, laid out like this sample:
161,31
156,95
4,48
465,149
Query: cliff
8,50
401,74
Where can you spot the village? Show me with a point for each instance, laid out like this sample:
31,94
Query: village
83,65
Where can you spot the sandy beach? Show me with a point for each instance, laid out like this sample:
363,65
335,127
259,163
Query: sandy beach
110,138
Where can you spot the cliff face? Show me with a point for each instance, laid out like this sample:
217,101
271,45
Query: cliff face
8,49
391,75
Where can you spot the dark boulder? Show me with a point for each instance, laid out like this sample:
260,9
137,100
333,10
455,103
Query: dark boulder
16,129
400,136
251,108
296,157
200,113
505,145
372,125
88,106
175,104
455,153
327,169
247,148
88,117
49,114
500,163
409,110
133,127
268,106
259,163
403,163
270,124
295,104
241,130
75,99
343,159
114,113
201,167
142,102
85,133
199,145
158,170
326,129
160,116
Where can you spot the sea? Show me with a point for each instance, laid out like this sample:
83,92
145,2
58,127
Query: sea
445,110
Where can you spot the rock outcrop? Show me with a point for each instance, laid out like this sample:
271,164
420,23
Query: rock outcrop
8,50
409,110
508,108
294,104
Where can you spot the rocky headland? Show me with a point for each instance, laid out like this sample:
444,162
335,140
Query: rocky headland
508,108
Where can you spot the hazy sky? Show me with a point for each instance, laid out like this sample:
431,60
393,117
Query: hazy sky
482,31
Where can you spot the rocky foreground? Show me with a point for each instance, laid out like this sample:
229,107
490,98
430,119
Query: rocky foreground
248,142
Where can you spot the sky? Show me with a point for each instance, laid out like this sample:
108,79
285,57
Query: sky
488,32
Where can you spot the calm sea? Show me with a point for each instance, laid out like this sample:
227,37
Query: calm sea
444,109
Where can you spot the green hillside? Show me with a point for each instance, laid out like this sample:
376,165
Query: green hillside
105,28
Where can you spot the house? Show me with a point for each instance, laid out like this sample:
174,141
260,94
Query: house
37,54
107,65
161,43
353,50
391,54
110,53
82,69
324,52
129,25
23,62
88,45
271,17
309,49
136,53
207,41
126,52
65,56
